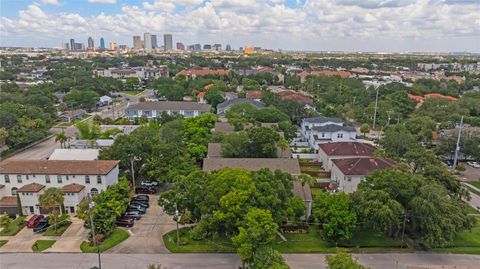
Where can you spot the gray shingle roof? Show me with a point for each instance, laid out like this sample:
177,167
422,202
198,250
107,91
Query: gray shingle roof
333,128
290,166
322,120
170,106
235,101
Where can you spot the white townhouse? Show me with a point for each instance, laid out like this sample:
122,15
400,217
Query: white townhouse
320,130
348,173
155,109
75,178
342,150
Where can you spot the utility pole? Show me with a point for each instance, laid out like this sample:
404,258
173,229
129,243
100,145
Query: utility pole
375,113
92,227
176,220
457,147
403,232
133,173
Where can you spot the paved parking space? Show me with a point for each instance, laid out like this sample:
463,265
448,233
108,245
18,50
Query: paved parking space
146,234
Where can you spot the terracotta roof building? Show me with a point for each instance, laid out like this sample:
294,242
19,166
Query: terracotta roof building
57,167
73,188
343,150
32,187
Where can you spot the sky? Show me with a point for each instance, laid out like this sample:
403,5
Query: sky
314,25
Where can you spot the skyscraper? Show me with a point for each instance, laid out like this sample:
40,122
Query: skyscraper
167,42
217,47
207,47
72,44
147,40
180,46
102,43
90,43
154,42
137,42
228,48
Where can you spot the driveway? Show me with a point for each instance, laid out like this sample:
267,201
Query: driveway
69,242
146,234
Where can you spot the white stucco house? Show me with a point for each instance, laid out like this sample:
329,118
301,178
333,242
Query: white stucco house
342,150
320,130
154,109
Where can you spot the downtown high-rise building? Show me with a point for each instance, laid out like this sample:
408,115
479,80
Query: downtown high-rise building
154,42
147,41
228,47
167,42
217,47
72,44
102,43
180,46
137,42
90,44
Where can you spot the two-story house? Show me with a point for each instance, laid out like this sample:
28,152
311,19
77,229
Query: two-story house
155,109
29,178
320,130
343,150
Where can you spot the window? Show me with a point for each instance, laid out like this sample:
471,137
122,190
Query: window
340,135
94,191
47,179
99,179
7,179
67,178
87,179
349,179
27,177
323,134
14,191
19,178
59,179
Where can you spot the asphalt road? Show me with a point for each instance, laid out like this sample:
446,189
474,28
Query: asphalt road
214,261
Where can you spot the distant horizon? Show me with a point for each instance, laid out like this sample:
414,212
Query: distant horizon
390,26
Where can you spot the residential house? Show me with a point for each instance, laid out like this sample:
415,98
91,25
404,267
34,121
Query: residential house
75,154
73,194
304,74
224,106
343,150
320,130
348,173
105,100
215,151
154,109
72,115
28,178
193,73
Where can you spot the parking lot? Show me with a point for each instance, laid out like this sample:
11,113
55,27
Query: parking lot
146,234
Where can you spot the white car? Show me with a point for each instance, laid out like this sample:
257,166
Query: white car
474,164
149,183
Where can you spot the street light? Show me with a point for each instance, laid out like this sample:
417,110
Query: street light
92,227
375,113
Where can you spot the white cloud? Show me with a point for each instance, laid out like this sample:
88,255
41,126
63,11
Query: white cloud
103,1
51,2
312,25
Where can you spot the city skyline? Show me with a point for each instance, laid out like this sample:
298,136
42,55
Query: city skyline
390,26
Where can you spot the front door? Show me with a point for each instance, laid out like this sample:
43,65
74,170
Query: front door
72,209
31,210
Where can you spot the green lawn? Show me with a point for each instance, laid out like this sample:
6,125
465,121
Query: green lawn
41,245
132,92
469,187
467,242
310,242
3,242
476,184
316,191
14,227
115,238
60,230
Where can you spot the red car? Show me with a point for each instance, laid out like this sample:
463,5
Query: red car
34,220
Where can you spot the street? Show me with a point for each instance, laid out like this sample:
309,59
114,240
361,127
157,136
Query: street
180,261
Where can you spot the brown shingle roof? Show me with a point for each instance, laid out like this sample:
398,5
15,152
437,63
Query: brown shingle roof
362,166
74,187
8,201
203,72
32,187
215,151
290,166
57,167
224,127
347,149
302,192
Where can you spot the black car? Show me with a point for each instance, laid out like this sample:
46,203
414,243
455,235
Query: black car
145,190
41,226
141,210
124,222
140,203
132,214
141,197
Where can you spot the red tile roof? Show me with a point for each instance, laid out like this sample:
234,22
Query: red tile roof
72,188
438,95
343,74
200,95
347,149
32,187
8,201
57,167
362,166
254,95
295,96
203,72
417,98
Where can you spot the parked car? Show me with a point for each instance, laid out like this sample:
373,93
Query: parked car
134,214
124,222
33,221
149,183
140,203
86,224
41,226
145,190
140,209
141,197
474,164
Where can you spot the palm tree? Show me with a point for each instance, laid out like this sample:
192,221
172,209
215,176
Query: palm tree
283,144
62,138
51,198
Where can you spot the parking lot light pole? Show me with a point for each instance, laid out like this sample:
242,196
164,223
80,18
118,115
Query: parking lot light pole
92,227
